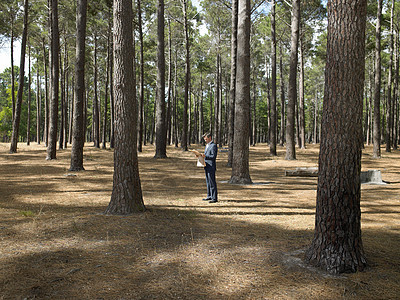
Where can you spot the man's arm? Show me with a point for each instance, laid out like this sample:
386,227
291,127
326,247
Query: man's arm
211,153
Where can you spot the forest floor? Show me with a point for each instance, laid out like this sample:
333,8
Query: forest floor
56,243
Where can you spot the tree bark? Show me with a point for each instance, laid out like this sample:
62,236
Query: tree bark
126,197
28,121
161,129
184,141
273,135
141,83
105,116
302,123
283,102
292,95
38,107
46,98
232,91
55,75
78,130
96,110
62,104
169,110
337,245
240,162
18,104
377,94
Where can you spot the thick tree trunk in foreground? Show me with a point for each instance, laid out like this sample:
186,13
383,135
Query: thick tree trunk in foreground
240,162
126,197
337,246
78,132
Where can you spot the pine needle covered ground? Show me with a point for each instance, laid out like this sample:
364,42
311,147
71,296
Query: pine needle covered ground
55,243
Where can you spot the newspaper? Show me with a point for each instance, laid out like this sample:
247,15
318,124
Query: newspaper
200,158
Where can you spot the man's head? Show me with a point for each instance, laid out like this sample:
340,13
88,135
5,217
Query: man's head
207,137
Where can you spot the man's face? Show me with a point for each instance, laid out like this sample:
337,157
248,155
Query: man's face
207,139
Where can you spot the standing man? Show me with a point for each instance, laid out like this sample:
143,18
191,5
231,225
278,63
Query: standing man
210,155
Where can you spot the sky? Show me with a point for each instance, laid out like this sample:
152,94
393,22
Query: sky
5,58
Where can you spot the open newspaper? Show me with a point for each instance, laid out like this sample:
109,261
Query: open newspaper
200,159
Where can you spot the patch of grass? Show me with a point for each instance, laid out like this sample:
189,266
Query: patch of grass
27,213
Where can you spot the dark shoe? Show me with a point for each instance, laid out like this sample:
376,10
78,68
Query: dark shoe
206,199
213,201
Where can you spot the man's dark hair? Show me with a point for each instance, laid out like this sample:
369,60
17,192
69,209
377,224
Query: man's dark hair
207,134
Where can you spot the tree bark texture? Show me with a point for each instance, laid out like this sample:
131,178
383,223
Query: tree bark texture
96,110
337,246
54,78
292,93
232,90
161,129
28,122
141,83
46,99
184,141
273,135
126,197
283,101
377,94
78,132
240,162
38,108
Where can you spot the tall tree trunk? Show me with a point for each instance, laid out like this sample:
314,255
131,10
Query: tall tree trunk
240,162
169,121
273,135
184,141
55,71
232,90
315,136
96,111
337,245
141,83
389,87
62,104
201,112
105,116
396,93
175,100
46,97
254,113
377,95
292,95
65,91
28,121
18,105
126,197
78,130
302,123
216,136
12,69
112,107
38,107
283,101
161,129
